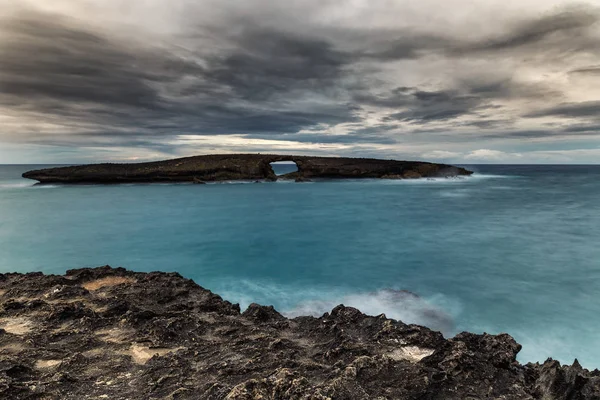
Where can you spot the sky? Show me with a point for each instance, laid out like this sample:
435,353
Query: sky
459,81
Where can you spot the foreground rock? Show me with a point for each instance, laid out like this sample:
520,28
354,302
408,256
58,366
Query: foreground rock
213,168
114,334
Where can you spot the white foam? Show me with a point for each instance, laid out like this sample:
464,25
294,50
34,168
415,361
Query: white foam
435,312
232,182
15,185
456,193
409,309
45,186
491,176
438,180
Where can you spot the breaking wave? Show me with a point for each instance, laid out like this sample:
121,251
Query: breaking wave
401,305
15,185
437,312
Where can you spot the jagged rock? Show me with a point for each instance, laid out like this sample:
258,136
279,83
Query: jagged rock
259,313
566,382
116,334
252,167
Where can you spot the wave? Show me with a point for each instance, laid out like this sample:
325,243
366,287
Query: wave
443,180
25,185
456,193
45,186
400,305
492,176
16,185
436,312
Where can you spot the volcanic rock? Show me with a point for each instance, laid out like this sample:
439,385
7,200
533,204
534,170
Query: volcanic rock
252,167
109,333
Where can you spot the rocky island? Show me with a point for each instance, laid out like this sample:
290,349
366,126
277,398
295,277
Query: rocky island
226,167
109,333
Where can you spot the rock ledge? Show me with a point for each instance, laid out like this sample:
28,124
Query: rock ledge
109,333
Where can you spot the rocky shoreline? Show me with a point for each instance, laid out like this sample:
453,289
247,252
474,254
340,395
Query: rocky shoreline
110,333
227,167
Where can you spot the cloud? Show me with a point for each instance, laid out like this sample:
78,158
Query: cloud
490,155
569,110
440,155
422,106
55,68
592,70
356,75
570,25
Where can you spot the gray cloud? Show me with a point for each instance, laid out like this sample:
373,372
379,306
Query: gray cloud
49,61
569,110
426,106
59,70
406,45
269,80
267,64
593,70
471,97
569,25
592,129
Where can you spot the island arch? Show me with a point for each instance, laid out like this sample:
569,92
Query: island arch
284,167
228,167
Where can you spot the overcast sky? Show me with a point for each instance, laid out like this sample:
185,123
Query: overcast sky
464,81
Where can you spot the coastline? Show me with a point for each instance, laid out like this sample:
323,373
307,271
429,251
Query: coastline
113,333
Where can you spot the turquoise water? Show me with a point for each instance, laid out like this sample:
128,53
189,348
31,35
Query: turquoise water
512,249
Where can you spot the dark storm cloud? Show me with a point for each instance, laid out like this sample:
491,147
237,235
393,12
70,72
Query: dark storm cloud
568,27
56,68
47,61
590,71
473,98
507,89
263,81
591,129
565,30
267,64
570,110
521,134
422,106
406,45
579,130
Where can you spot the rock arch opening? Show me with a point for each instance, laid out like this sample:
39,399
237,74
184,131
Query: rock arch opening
284,167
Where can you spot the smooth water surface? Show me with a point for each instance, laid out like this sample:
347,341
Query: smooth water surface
512,249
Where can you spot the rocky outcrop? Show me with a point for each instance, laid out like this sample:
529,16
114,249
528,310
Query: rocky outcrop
211,168
109,333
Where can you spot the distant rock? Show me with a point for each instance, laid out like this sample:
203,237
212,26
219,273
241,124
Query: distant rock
404,175
411,175
392,176
227,167
109,333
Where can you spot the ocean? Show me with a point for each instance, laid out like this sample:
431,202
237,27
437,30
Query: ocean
514,248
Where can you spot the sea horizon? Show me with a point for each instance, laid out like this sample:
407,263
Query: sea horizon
482,252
